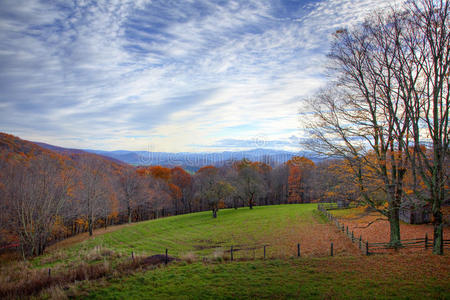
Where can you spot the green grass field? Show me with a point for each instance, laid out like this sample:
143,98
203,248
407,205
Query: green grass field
305,278
201,234
196,237
198,234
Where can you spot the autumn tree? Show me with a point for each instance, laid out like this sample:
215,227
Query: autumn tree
183,181
300,171
210,190
94,190
250,182
204,180
36,189
216,195
333,181
133,189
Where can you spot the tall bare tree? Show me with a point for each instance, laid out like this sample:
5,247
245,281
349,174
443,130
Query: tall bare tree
133,188
389,108
95,190
361,117
425,70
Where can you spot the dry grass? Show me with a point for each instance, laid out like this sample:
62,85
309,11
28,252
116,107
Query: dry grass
54,293
315,240
24,281
189,257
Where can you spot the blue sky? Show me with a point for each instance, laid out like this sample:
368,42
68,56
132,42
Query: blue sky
165,75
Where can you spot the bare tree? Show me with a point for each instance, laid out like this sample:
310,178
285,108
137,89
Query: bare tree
133,190
250,182
390,108
280,185
360,118
94,191
424,70
36,190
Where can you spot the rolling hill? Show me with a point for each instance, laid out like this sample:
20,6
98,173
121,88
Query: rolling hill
204,269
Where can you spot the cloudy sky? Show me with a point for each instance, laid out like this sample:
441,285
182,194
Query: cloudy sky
169,75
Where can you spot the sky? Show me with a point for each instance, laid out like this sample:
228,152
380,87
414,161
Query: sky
172,75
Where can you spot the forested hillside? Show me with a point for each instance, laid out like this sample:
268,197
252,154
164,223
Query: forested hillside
49,195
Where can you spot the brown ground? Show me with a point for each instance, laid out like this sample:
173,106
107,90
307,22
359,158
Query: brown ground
314,236
357,219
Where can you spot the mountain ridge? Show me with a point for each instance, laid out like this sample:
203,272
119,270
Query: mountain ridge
191,161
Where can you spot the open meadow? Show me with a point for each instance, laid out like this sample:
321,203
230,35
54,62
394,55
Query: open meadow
200,265
198,235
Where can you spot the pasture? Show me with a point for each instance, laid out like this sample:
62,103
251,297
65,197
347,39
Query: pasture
281,227
203,269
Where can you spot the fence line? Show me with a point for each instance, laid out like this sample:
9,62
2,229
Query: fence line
229,253
371,248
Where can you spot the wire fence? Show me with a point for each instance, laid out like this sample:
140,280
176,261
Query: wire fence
376,248
250,252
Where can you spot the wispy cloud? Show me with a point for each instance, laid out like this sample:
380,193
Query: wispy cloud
179,75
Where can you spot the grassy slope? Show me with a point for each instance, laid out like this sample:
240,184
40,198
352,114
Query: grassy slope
282,226
199,233
391,277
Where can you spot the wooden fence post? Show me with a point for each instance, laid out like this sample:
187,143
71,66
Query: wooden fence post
167,257
298,249
331,249
132,255
367,247
49,273
231,253
360,242
352,236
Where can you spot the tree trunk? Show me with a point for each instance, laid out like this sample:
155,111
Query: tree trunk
214,211
394,224
438,246
129,214
90,227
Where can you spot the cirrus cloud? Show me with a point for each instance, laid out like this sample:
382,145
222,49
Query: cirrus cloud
179,75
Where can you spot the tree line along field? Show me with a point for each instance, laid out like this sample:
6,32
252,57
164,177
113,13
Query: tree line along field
204,270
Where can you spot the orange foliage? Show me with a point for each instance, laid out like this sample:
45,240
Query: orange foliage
297,167
175,191
258,166
180,177
159,172
207,169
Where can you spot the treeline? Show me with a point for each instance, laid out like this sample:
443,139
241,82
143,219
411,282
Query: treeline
47,196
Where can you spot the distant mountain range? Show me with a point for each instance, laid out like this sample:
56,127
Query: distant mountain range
188,160
194,161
